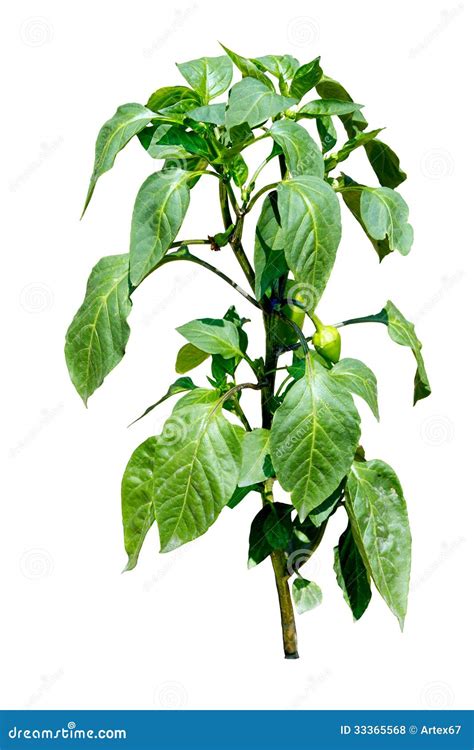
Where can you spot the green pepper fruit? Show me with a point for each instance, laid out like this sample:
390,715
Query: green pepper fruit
328,342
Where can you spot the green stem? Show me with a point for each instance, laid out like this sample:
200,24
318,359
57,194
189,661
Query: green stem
257,195
241,414
194,259
380,317
235,241
278,557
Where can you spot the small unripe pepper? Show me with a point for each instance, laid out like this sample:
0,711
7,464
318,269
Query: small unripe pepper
327,341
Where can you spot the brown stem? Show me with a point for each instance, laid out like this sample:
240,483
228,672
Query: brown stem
278,558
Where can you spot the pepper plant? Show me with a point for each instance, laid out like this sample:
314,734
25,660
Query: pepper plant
209,456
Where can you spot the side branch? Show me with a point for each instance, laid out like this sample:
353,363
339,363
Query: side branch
194,259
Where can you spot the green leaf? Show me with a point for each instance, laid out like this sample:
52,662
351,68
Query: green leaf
269,253
255,447
327,132
306,594
170,95
137,499
159,210
351,574
240,493
209,76
239,170
269,528
278,526
361,139
98,334
247,67
379,522
305,78
282,67
251,102
385,215
179,385
328,88
213,335
196,468
325,107
128,120
311,223
385,164
314,437
325,509
174,142
358,379
212,113
351,196
302,154
402,332
189,357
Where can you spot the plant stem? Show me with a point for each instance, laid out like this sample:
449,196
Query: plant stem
264,189
278,557
235,240
213,269
380,317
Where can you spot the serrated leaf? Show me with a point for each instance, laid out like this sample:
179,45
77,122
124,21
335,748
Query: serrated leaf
305,78
314,437
359,380
137,499
402,332
179,386
159,211
128,120
302,154
213,335
98,334
385,215
269,253
252,102
306,594
351,574
326,107
328,88
255,448
168,96
212,113
196,468
385,164
379,522
247,67
209,76
311,223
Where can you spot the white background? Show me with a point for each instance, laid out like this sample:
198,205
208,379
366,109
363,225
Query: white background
195,628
